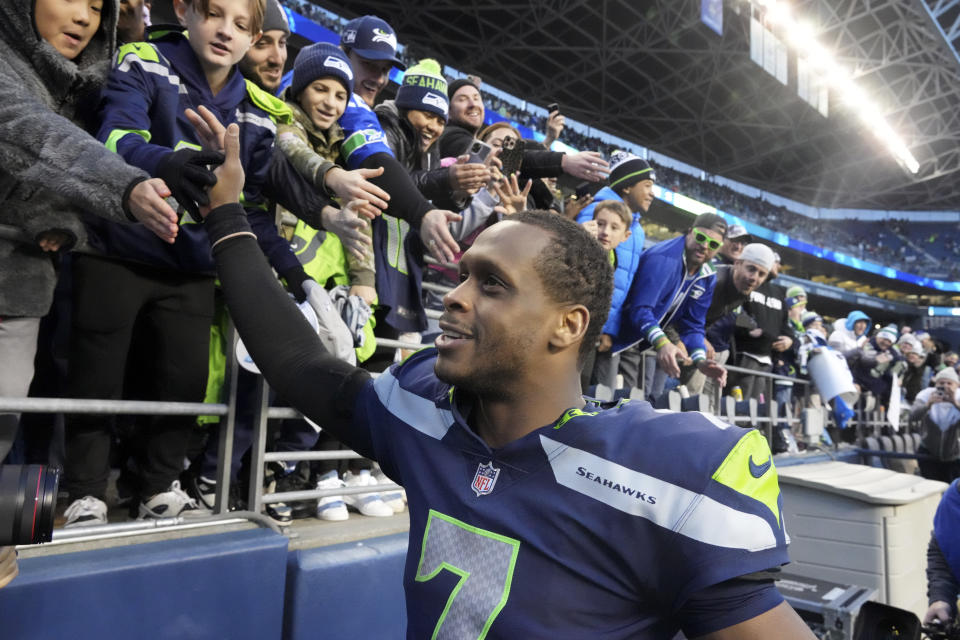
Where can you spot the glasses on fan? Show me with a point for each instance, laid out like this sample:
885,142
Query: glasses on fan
703,239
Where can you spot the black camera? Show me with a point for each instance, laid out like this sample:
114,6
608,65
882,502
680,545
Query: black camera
28,497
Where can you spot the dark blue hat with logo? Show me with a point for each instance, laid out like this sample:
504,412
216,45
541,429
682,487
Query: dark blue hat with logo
321,60
371,38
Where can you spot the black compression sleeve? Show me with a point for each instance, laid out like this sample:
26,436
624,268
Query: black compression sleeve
276,334
406,201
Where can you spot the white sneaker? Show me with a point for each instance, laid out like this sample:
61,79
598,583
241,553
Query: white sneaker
171,503
86,512
369,504
396,500
332,507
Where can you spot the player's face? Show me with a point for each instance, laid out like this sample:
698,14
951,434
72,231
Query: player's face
747,276
68,25
324,101
466,107
264,62
496,323
428,126
221,36
369,77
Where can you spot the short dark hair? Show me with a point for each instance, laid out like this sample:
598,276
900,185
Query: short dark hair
573,268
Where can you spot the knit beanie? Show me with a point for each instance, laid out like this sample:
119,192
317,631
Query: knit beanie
889,332
321,60
424,89
275,18
947,373
809,317
796,291
627,169
458,84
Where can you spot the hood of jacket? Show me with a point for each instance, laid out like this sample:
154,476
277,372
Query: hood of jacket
63,78
853,317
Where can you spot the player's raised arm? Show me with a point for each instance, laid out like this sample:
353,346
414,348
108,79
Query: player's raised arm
296,365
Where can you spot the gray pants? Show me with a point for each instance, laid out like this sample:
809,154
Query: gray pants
753,386
709,386
18,346
626,363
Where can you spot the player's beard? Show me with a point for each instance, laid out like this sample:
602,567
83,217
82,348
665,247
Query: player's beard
495,367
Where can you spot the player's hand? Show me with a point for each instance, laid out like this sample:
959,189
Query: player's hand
667,359
146,203
53,240
230,175
939,611
349,227
356,185
366,293
436,236
8,565
606,343
468,177
586,165
713,370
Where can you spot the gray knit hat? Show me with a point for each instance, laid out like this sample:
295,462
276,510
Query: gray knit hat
275,18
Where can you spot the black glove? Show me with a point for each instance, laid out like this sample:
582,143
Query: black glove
295,278
187,174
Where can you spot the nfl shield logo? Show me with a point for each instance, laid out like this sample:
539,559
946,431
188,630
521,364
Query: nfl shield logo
484,479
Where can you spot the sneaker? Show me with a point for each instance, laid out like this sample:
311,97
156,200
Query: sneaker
279,512
396,500
332,507
369,504
296,480
86,512
171,503
201,489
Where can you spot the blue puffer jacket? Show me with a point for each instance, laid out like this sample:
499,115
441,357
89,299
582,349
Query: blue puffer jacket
660,281
628,256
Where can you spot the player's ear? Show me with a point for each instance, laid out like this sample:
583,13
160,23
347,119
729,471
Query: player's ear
571,326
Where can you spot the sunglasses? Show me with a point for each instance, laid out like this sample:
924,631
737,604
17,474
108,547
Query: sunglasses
703,239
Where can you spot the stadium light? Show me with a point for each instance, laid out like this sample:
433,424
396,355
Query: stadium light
800,35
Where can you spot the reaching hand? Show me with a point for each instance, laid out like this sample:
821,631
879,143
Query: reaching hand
230,176
53,240
146,203
555,123
512,199
207,127
606,343
586,165
356,185
667,359
467,176
713,370
349,227
187,173
938,611
436,236
367,293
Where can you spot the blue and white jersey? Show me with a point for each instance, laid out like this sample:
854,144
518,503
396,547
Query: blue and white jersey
363,135
600,525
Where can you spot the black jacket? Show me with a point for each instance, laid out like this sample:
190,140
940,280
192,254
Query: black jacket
768,311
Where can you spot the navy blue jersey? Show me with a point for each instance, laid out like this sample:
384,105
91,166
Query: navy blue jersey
604,524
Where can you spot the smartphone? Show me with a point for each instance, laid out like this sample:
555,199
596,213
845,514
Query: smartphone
478,152
553,106
511,155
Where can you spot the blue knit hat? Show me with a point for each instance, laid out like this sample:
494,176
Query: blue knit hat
424,89
321,60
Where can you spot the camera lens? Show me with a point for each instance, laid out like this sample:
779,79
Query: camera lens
28,496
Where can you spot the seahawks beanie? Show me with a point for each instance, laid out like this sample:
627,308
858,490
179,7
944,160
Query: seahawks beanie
321,60
424,89
627,169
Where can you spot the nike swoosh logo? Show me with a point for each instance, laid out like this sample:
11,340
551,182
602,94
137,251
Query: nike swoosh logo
757,470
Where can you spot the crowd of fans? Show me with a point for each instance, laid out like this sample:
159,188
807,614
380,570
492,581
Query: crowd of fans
356,201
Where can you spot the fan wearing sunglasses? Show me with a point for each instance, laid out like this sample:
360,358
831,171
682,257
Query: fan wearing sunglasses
674,286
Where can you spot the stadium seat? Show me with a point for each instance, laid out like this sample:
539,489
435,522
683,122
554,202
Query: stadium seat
871,442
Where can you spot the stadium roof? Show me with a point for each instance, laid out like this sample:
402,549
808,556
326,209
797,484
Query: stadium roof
652,72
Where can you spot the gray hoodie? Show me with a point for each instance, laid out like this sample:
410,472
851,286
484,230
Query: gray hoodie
50,168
